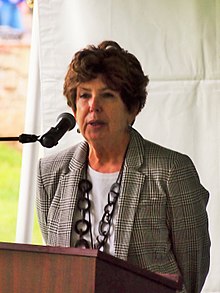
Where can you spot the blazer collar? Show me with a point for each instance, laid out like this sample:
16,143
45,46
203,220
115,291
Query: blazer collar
134,157
79,157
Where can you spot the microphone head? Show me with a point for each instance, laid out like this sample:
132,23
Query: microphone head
66,122
69,118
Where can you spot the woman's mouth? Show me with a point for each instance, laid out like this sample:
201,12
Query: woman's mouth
96,123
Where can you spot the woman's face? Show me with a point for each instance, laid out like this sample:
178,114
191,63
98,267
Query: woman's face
100,113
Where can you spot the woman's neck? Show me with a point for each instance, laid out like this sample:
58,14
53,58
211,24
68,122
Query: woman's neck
107,160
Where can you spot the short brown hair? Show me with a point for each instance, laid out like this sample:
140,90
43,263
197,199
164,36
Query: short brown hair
120,69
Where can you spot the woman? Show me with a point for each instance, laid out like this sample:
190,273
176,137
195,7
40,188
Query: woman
117,191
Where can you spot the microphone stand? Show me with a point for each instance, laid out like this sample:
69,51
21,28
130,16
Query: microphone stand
51,137
23,138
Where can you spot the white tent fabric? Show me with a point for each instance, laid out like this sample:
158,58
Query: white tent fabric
30,152
178,44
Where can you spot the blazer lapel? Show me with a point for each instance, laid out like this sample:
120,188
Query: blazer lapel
68,197
68,188
132,183
128,202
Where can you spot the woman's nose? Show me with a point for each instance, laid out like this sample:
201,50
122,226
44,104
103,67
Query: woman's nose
94,104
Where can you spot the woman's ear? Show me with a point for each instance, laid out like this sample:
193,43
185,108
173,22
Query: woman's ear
133,115
74,114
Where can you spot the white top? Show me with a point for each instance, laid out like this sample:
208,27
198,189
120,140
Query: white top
101,184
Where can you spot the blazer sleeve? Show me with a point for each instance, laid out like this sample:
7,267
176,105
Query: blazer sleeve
188,221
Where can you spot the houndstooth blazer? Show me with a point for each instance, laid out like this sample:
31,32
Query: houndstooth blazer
162,222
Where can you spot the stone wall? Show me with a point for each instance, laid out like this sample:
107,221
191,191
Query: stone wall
14,67
14,64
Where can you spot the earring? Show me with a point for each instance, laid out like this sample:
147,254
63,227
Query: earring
78,131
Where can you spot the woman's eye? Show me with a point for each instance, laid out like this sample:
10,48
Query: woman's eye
84,96
108,95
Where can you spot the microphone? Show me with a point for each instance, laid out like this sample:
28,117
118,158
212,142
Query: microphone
66,122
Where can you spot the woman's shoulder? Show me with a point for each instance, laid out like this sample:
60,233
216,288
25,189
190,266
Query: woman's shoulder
155,152
63,155
62,160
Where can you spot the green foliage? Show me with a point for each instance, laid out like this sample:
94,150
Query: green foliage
10,167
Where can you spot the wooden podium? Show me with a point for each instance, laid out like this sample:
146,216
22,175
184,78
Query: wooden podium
41,269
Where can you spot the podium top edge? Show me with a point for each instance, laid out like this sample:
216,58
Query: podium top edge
48,249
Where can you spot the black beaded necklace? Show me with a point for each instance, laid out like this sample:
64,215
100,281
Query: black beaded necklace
83,226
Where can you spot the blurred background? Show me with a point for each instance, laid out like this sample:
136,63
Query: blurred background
15,42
